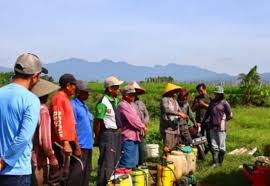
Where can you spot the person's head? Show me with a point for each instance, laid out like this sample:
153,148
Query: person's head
82,91
219,93
129,94
183,95
112,86
171,90
201,89
43,88
27,70
67,83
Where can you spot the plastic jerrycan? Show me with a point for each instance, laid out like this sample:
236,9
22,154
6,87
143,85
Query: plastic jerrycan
139,177
165,174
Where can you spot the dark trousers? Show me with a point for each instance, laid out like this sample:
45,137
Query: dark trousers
185,135
78,176
142,151
10,180
205,131
110,151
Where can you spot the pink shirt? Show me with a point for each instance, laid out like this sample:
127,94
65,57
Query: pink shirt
42,144
132,124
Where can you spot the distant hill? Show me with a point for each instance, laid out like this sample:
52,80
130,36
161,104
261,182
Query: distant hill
98,71
83,69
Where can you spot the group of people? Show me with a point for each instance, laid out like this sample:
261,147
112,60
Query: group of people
210,119
53,144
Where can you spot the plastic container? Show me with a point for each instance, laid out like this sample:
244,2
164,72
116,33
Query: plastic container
165,174
152,150
139,177
180,163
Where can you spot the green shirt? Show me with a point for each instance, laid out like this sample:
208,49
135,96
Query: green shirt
101,108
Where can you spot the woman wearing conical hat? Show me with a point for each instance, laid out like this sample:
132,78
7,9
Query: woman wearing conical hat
144,116
170,116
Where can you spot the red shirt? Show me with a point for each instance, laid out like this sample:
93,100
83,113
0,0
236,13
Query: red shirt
63,122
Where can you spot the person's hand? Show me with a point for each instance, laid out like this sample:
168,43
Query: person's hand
2,164
202,104
182,115
78,151
67,148
53,163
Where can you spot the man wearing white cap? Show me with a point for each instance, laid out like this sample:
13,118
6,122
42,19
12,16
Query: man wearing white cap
19,112
107,127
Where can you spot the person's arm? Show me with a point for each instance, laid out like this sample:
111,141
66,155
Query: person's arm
190,114
227,110
207,114
164,105
45,137
145,113
98,121
131,115
58,123
24,135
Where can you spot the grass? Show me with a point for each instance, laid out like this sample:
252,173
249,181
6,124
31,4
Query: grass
249,128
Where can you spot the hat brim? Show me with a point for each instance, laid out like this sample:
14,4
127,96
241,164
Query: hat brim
216,92
44,70
44,87
176,89
140,91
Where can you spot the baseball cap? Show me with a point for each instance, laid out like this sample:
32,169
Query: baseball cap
82,86
67,78
44,87
112,81
29,63
128,90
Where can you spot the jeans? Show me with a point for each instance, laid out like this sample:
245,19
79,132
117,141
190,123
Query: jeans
14,180
130,158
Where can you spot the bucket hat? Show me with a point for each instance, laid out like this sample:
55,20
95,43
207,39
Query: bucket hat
137,87
170,87
29,63
219,90
112,81
44,87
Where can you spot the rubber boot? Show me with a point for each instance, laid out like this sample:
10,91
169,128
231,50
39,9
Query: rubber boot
221,156
215,159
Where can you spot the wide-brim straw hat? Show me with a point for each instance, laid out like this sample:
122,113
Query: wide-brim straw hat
137,87
44,87
170,87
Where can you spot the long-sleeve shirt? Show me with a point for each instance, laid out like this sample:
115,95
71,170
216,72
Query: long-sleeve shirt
185,108
63,122
42,143
169,108
142,111
218,112
19,112
84,123
132,124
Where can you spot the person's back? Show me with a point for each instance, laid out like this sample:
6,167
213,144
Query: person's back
19,111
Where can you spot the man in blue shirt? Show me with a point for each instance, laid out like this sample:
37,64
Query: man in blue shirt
84,120
19,112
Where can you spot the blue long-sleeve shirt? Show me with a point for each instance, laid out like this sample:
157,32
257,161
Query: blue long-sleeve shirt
19,112
84,123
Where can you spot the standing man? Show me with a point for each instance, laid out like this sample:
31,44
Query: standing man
19,112
84,125
63,123
200,106
144,116
107,127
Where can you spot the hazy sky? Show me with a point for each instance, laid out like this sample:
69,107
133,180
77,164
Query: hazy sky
227,36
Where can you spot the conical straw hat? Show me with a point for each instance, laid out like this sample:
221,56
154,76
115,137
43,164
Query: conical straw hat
170,87
44,87
137,87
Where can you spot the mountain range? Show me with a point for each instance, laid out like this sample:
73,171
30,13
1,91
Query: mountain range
98,71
